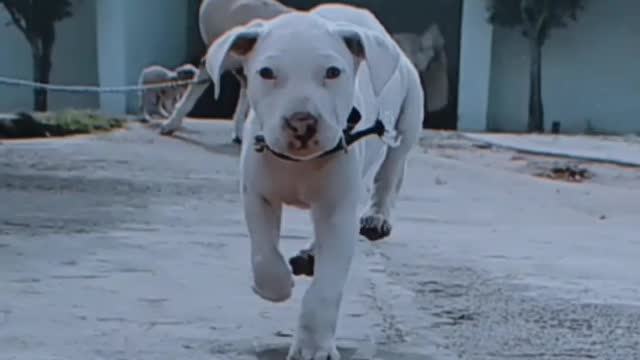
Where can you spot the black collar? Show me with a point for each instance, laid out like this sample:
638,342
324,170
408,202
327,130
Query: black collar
348,138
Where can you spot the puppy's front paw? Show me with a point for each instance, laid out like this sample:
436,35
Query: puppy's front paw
327,352
236,140
375,227
272,278
315,337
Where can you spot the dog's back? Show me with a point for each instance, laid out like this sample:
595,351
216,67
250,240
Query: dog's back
219,16
349,14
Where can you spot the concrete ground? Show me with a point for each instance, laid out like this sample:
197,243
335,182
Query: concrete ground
133,246
619,150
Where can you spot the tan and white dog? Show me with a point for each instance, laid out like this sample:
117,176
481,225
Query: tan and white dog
215,18
161,102
428,54
304,73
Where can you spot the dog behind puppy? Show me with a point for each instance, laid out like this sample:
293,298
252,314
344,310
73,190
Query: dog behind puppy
160,102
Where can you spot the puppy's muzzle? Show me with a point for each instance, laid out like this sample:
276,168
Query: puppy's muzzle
302,130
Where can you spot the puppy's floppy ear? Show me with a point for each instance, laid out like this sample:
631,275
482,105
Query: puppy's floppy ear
379,52
228,51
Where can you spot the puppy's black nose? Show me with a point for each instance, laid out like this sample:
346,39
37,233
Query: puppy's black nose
303,127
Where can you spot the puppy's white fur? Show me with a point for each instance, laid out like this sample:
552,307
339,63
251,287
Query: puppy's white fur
382,83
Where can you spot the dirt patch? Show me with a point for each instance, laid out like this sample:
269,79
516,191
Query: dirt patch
569,173
65,123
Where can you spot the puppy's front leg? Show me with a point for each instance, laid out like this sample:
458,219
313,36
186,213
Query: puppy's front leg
336,231
272,277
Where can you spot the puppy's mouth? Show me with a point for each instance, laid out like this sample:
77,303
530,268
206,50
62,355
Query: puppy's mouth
305,134
307,145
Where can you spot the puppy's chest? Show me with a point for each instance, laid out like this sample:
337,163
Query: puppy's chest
297,190
296,203
295,195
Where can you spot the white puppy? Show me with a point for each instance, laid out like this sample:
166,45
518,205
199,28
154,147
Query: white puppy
305,72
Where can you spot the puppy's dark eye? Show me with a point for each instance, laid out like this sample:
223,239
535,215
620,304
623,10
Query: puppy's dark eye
332,73
267,73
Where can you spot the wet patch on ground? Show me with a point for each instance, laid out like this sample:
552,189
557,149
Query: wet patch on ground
572,173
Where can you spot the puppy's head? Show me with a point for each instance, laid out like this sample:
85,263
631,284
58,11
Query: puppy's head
300,71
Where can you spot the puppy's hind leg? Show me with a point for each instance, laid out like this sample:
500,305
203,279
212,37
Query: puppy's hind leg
188,101
240,115
375,223
242,107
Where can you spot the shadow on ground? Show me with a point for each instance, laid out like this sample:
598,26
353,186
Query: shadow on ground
201,139
279,352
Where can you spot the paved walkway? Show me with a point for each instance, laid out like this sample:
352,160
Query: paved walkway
614,150
133,246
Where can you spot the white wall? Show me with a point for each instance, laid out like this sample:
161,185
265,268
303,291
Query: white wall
133,34
106,42
156,35
74,60
590,73
111,61
508,99
475,66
